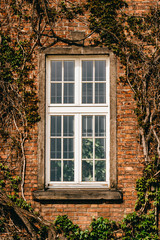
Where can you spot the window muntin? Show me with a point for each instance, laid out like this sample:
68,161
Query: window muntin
93,81
62,148
67,163
62,81
93,148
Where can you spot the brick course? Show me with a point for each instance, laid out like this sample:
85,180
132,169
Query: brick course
129,153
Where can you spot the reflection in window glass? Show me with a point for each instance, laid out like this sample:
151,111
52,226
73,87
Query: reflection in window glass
56,148
100,70
55,171
100,171
89,140
68,125
62,148
100,93
56,93
93,148
87,70
68,171
87,171
100,148
87,128
55,125
87,93
87,148
56,70
68,148
62,82
68,93
68,70
100,126
95,73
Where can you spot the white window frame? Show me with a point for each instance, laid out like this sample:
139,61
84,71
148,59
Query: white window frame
77,109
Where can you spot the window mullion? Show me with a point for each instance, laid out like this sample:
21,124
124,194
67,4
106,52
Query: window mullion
93,82
77,149
62,82
93,148
62,140
77,82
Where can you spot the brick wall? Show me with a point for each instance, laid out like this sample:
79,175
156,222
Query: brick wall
129,154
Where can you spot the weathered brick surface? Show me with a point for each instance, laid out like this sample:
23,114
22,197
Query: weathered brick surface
129,153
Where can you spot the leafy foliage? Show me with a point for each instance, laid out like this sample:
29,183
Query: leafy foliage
136,41
100,229
137,226
133,226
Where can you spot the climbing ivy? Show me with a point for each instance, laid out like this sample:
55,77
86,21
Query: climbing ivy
133,226
135,40
100,229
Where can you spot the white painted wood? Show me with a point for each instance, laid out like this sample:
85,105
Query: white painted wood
77,110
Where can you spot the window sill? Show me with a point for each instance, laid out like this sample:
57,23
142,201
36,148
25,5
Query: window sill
78,194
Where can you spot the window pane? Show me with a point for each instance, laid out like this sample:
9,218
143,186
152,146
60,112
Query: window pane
68,148
55,171
87,148
100,170
100,70
68,93
56,71
87,128
68,126
56,92
56,148
55,125
87,70
87,171
100,148
68,70
100,126
87,93
100,93
68,170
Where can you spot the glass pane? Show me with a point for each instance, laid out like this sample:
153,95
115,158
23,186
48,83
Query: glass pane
55,171
87,128
55,125
68,170
87,93
100,70
100,126
56,148
68,70
68,93
87,148
100,170
100,93
68,152
68,126
56,92
100,148
56,71
87,171
87,70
